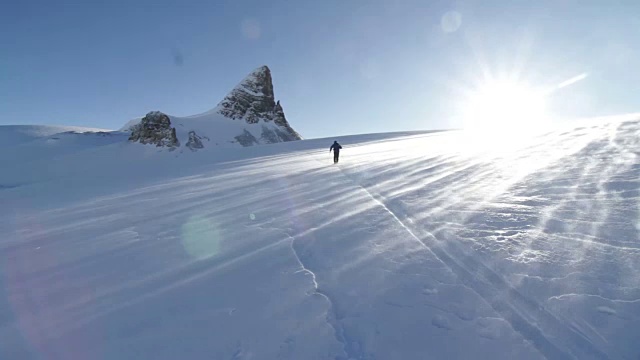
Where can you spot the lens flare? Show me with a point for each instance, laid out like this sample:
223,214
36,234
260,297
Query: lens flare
251,29
200,238
572,80
450,21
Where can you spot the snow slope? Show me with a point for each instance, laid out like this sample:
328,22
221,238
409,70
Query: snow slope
415,246
214,129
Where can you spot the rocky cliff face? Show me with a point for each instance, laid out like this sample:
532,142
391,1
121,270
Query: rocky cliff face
249,115
279,119
155,128
253,101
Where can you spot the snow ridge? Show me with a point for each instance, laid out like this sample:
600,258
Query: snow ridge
331,315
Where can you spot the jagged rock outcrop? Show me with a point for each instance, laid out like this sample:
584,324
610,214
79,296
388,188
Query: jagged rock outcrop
249,115
281,121
155,128
195,141
253,100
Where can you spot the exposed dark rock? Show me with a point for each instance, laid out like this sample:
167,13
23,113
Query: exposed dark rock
247,139
250,105
253,101
280,120
195,141
269,136
287,135
155,128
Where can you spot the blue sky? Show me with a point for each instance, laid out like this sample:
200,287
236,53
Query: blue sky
339,67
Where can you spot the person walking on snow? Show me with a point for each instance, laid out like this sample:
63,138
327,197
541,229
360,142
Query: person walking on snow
336,151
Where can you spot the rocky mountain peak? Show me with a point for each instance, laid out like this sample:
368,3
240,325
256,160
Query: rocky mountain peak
252,99
249,115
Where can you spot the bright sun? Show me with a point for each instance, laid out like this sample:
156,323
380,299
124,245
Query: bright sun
502,107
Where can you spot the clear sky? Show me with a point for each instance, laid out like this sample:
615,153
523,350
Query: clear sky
339,66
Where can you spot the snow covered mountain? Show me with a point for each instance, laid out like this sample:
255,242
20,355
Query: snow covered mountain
248,115
415,246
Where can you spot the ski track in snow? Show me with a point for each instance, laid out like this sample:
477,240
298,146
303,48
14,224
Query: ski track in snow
430,249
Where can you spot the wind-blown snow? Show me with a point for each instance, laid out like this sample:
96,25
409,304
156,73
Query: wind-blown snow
412,247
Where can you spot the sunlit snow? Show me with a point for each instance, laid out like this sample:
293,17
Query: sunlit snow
414,246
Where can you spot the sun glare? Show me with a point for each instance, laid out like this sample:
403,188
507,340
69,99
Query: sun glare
503,107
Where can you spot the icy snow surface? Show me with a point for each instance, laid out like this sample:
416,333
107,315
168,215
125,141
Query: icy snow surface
415,246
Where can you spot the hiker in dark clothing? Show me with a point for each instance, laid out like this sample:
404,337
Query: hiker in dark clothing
336,151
